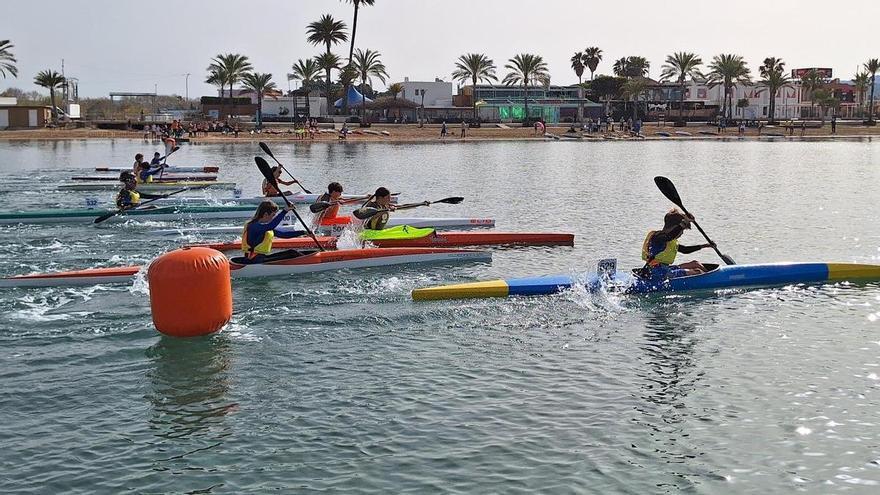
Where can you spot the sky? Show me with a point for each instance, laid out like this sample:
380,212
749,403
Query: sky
126,45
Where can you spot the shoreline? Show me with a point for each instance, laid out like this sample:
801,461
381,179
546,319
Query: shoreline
430,134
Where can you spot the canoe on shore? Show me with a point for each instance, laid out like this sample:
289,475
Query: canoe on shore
719,277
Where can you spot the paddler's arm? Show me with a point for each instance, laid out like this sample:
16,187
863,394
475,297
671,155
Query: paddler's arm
289,234
153,196
693,249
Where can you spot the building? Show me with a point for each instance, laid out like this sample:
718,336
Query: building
553,104
217,108
13,115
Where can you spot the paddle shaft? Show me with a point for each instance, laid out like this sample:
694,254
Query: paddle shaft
165,159
267,174
133,207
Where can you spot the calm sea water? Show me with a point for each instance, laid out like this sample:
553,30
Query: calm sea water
338,382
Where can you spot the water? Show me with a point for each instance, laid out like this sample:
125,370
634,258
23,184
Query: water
340,383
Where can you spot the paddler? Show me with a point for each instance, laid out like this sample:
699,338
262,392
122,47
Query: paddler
259,231
269,190
138,159
157,160
333,195
661,247
145,172
380,200
128,196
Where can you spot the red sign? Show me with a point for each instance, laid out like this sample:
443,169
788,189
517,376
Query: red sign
799,73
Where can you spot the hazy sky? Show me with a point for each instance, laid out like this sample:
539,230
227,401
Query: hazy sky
126,45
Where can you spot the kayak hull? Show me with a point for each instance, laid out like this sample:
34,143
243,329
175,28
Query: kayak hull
724,277
295,198
439,222
309,263
207,169
436,239
167,177
146,187
162,213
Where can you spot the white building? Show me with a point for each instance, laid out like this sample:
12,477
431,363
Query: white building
436,94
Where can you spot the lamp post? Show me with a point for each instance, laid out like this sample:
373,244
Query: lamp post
422,106
186,85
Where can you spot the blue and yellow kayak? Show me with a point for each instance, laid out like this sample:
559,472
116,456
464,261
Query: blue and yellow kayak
719,277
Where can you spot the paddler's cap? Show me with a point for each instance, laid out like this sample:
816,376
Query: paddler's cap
126,176
676,218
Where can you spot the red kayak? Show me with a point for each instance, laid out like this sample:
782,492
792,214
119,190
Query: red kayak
436,239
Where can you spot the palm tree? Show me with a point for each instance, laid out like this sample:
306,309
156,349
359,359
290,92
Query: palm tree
327,31
259,84
475,67
50,80
577,65
395,89
825,98
367,63
872,66
633,88
630,67
592,57
327,62
7,60
306,71
727,70
354,25
231,65
679,66
811,81
774,78
860,82
526,69
607,87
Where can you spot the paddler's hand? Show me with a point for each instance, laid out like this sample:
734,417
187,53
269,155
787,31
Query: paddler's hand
288,208
711,244
426,203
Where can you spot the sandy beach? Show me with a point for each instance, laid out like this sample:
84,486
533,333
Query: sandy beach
490,132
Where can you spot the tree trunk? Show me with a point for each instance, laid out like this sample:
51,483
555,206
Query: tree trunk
54,109
526,102
871,110
474,96
580,115
259,110
681,103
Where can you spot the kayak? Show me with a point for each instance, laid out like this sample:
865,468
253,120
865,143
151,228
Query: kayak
431,239
208,169
146,187
338,226
307,262
719,277
295,198
171,177
85,215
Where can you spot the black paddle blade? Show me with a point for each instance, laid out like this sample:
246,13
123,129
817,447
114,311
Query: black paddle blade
266,170
450,201
265,148
668,189
319,206
727,259
365,213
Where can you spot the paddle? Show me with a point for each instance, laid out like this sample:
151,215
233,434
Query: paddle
265,148
668,189
266,170
132,207
320,206
165,158
365,213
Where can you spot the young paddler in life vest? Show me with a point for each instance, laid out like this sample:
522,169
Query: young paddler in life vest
138,159
259,231
269,190
128,196
145,173
661,247
381,200
157,160
333,195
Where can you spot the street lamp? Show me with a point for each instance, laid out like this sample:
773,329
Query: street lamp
187,85
422,106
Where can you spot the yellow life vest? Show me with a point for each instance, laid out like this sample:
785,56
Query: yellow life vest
377,222
264,247
665,257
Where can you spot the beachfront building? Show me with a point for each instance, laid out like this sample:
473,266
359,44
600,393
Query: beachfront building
552,104
434,102
13,115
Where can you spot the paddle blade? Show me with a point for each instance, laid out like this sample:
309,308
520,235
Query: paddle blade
266,150
266,170
365,213
668,189
727,259
450,201
108,215
319,206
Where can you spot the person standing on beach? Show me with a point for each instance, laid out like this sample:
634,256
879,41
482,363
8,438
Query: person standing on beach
834,124
464,127
443,130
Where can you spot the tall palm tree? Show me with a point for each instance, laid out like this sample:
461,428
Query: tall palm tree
367,64
860,82
259,84
774,78
872,66
679,66
526,69
327,62
727,70
592,57
630,67
7,60
354,25
395,89
577,65
475,67
633,88
812,81
50,80
327,31
306,71
233,66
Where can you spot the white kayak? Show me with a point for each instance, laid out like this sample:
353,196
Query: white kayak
295,198
149,187
306,262
420,222
207,169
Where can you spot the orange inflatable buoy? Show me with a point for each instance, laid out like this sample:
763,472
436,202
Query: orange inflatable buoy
190,292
